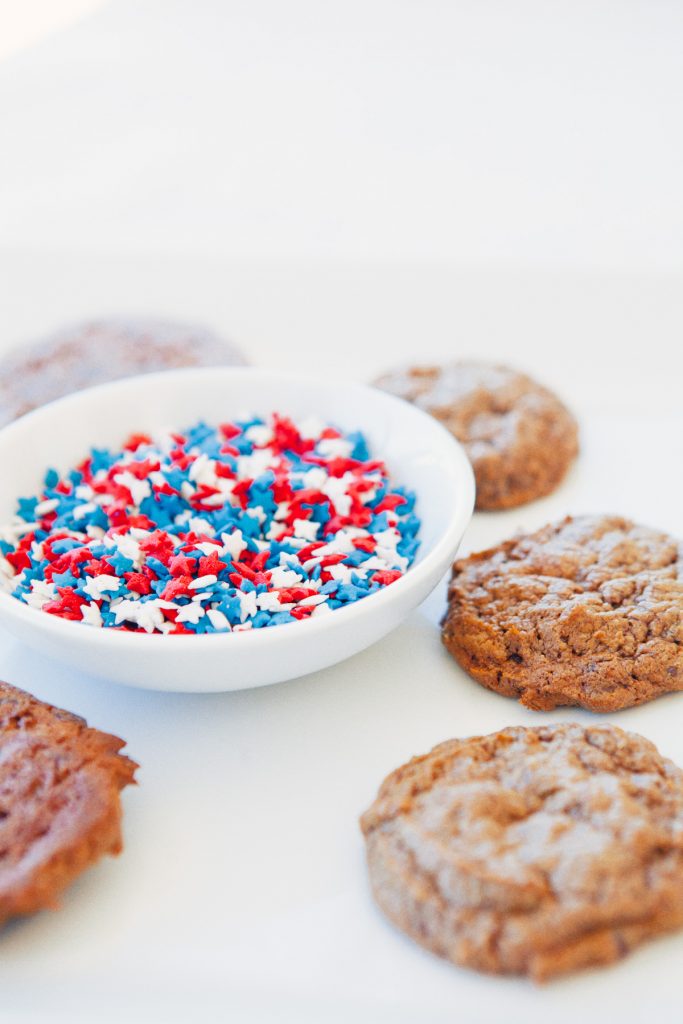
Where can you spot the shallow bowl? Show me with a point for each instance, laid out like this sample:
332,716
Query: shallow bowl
418,451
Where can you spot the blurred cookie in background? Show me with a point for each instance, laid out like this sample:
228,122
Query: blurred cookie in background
97,351
518,435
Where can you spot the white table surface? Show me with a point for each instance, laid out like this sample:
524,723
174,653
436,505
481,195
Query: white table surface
487,179
242,884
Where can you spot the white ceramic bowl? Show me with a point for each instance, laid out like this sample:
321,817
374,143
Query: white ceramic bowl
419,454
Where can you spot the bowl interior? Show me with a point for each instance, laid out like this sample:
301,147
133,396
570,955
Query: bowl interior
419,453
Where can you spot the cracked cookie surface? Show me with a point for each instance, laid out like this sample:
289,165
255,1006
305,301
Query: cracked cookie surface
60,808
518,435
532,851
586,612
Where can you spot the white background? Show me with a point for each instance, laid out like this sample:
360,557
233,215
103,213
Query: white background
340,186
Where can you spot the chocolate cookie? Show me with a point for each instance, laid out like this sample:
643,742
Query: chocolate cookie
588,611
60,809
98,351
531,851
519,436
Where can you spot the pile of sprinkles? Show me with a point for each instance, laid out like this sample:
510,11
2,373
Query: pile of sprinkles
242,526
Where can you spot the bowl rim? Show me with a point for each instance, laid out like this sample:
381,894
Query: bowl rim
441,550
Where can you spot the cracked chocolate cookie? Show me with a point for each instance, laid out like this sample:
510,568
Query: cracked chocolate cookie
60,809
531,851
518,435
98,351
587,611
